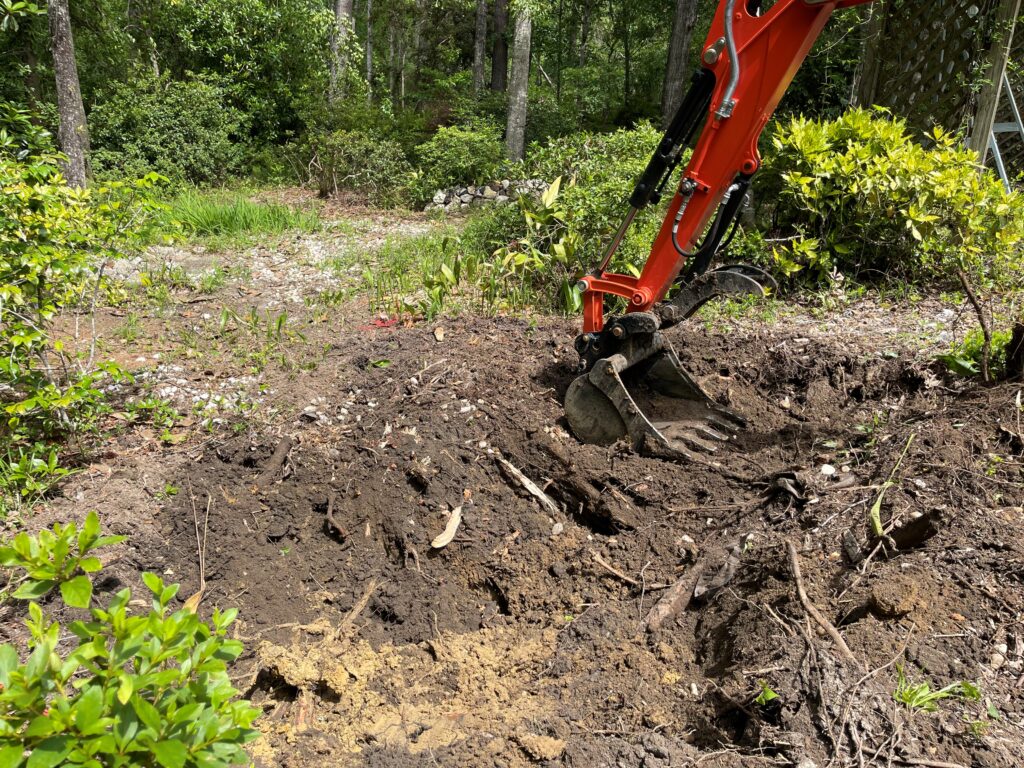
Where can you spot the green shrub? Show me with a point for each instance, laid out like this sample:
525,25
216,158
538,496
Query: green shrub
184,130
459,155
353,161
136,690
53,242
858,195
600,170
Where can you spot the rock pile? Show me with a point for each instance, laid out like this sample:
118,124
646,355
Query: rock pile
497,192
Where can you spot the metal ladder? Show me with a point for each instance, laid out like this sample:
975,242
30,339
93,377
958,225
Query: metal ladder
1015,126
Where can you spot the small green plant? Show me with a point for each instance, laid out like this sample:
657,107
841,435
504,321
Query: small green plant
129,331
459,155
58,557
964,359
28,474
766,694
147,690
920,696
212,280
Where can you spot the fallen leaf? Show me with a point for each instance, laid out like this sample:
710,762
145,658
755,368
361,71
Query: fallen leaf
449,530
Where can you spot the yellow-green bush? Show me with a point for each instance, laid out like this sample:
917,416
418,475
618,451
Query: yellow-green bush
859,195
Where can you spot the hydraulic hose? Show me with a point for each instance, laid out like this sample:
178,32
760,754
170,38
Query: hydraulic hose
728,102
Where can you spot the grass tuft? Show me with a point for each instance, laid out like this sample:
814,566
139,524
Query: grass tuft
232,215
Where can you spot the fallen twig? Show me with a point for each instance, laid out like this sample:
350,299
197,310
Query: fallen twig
676,599
350,617
927,763
192,603
620,575
531,487
330,517
277,459
812,611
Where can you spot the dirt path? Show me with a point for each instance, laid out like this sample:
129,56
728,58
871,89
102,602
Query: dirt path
527,639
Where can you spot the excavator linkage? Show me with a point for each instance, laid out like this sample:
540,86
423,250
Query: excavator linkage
633,384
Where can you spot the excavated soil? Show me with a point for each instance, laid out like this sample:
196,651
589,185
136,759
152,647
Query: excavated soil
530,638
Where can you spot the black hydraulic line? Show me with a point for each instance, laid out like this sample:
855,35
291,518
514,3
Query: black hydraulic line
728,215
692,110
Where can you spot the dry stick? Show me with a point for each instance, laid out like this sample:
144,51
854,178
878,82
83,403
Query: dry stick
531,487
350,617
812,611
616,572
927,763
192,603
676,599
986,329
875,513
276,461
330,517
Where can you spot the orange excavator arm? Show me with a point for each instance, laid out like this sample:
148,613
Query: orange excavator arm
749,60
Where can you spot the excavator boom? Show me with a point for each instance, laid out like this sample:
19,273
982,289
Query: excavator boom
633,383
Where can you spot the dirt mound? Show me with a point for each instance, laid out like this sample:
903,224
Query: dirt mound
527,638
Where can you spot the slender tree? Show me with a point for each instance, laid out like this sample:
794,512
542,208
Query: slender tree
479,46
339,37
369,51
72,130
678,58
499,54
515,131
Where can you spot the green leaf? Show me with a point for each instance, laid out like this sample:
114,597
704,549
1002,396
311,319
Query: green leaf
77,592
32,589
90,564
11,756
125,689
170,753
50,752
153,583
88,708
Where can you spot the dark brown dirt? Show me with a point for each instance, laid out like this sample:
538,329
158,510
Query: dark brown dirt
513,645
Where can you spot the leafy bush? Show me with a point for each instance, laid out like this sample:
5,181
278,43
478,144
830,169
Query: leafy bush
53,240
459,155
184,130
858,195
356,162
600,171
141,690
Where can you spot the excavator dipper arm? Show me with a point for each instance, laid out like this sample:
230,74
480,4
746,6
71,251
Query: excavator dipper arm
749,60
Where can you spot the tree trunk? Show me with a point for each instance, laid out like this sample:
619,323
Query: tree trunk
584,31
627,58
499,54
72,132
339,37
479,46
678,58
515,132
369,51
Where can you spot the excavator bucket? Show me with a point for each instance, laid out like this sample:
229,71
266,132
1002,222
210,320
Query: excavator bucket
635,386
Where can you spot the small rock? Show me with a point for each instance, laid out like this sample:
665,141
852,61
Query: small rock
557,528
997,661
501,199
466,197
439,334
440,197
828,470
1002,648
489,193
896,596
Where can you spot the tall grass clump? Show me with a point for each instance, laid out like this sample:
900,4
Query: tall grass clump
232,215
